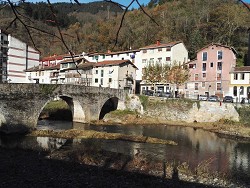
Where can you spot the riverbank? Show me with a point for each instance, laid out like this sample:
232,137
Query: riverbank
27,168
226,128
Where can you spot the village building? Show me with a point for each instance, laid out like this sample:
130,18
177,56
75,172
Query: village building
239,86
118,74
209,72
16,57
169,53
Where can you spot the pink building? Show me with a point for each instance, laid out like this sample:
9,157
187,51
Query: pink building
209,72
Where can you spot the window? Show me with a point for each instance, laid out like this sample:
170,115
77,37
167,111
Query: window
204,56
218,86
144,61
168,58
204,66
242,76
101,81
110,80
219,55
191,66
186,85
196,76
159,49
64,65
144,51
96,80
203,84
219,65
151,61
241,90
204,75
218,76
96,71
102,72
211,64
235,90
236,76
196,86
160,60
168,49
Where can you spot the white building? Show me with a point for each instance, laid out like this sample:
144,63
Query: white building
20,57
118,74
239,86
3,56
164,54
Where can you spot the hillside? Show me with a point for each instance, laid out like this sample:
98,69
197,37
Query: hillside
94,26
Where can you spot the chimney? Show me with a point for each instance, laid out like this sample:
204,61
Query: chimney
158,42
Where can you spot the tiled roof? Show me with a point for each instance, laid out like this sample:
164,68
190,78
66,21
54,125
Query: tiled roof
113,62
38,68
71,60
53,58
82,66
217,44
170,44
242,69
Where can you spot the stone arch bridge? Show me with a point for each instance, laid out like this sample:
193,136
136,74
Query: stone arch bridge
21,104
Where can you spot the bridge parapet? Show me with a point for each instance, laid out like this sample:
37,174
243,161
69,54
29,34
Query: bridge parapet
21,104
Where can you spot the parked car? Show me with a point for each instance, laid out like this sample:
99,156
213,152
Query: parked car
228,99
148,92
213,98
202,97
167,94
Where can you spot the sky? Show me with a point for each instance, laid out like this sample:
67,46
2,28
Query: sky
123,2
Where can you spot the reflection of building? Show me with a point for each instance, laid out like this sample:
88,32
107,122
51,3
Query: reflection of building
50,143
209,72
240,83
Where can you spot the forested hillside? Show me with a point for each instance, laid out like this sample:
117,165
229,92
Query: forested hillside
93,26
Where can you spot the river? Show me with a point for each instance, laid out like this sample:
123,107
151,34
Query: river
195,146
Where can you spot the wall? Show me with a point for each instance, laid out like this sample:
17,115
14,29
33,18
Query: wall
206,112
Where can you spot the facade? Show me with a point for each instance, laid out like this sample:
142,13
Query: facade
118,74
170,53
240,83
20,57
209,72
3,56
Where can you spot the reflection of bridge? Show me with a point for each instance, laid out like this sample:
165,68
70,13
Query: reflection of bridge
21,104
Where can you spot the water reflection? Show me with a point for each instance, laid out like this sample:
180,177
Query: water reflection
194,146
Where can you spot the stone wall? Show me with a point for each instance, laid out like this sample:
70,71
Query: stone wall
198,112
183,110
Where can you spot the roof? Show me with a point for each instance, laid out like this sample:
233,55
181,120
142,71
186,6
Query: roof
82,66
217,44
159,45
39,68
70,59
112,53
241,69
113,63
53,58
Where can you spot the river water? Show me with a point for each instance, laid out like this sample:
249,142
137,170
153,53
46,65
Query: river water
195,146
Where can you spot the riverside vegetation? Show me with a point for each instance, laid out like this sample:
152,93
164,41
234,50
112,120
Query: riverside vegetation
175,171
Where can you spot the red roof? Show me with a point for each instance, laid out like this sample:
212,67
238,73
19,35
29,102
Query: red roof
53,58
159,45
113,62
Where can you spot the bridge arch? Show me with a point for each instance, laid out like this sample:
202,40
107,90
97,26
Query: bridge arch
75,106
110,105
